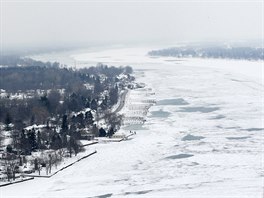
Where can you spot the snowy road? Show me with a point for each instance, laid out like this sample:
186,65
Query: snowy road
203,138
122,101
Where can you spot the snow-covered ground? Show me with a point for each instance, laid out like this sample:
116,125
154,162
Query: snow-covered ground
203,138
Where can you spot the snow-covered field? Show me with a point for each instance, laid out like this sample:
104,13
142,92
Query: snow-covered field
203,138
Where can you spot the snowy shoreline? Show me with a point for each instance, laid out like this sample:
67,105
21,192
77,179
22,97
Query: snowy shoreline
203,138
130,103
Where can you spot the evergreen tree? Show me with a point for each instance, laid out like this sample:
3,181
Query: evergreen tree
9,148
102,132
8,121
32,139
64,125
39,145
24,143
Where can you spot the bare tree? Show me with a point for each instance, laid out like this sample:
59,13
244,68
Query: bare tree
11,163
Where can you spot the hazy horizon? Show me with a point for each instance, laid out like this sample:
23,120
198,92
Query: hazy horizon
28,25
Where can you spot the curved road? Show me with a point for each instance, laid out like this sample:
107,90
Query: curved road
122,101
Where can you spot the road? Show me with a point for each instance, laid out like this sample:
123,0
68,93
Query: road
122,101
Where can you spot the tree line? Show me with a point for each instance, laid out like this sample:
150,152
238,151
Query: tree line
248,53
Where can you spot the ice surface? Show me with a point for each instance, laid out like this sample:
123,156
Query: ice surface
224,164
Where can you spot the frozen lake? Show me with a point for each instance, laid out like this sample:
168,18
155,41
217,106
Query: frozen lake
203,138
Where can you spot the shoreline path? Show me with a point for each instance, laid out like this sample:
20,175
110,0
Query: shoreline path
122,102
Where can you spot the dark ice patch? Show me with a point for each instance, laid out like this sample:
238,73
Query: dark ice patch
254,129
138,192
160,114
179,156
103,196
238,138
190,137
176,101
232,127
195,163
199,109
236,80
60,189
121,180
218,117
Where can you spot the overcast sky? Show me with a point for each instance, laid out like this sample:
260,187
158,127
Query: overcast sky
65,23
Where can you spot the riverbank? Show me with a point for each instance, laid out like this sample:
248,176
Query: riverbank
203,138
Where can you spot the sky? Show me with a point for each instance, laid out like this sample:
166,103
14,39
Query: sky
57,23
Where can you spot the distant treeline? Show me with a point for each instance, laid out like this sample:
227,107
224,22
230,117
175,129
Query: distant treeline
248,53
14,61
